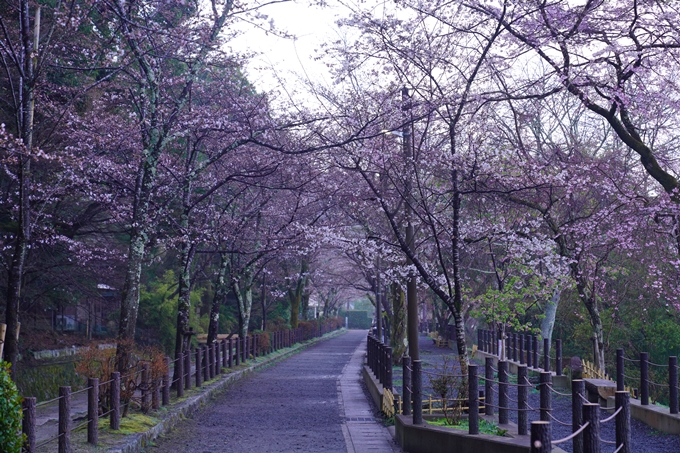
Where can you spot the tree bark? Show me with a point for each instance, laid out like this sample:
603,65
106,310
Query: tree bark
219,297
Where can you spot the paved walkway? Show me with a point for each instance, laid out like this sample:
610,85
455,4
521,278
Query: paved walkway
362,433
310,402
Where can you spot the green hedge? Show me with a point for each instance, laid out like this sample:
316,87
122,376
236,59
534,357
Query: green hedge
11,439
357,319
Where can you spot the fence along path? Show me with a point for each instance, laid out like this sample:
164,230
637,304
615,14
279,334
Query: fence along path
75,410
311,402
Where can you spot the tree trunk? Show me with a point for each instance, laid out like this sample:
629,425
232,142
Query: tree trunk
263,301
398,324
548,322
244,298
219,298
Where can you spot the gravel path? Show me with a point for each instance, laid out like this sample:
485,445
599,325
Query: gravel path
291,406
644,439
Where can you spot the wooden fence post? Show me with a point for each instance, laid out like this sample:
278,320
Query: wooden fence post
546,354
620,384
165,399
417,381
199,368
488,386
93,411
540,437
179,364
29,424
114,417
144,386
591,434
503,392
536,365
473,400
406,384
521,349
64,419
187,368
673,383
622,400
578,390
529,354
644,378
522,394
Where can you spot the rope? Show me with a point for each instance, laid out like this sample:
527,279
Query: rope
607,441
619,449
81,391
49,440
43,403
631,360
572,435
611,417
656,364
558,393
558,421
657,385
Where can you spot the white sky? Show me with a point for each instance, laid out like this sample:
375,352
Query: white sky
311,25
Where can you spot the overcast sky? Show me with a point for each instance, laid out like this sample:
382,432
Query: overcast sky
311,26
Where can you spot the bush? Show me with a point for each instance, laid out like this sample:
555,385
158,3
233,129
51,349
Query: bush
11,438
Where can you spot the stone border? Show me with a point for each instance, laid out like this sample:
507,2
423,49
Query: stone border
135,443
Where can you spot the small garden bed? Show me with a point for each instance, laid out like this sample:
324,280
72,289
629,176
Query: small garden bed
485,426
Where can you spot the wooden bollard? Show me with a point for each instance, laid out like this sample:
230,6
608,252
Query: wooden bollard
417,381
28,424
225,357
488,386
622,400
620,384
165,399
535,348
156,385
218,357
187,368
92,411
206,363
237,354
230,352
644,378
388,368
64,419
114,416
673,383
529,354
502,392
578,390
546,354
406,384
540,437
545,396
199,368
522,394
521,349
514,347
473,400
591,434
210,349
144,386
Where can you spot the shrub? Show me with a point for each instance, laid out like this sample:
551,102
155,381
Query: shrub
11,438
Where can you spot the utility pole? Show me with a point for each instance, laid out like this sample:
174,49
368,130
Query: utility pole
411,289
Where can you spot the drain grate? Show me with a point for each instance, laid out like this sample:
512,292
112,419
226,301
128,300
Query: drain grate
359,419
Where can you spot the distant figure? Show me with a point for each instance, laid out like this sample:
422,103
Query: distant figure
576,368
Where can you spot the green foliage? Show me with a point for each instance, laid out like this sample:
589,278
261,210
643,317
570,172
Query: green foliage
485,427
357,319
43,381
158,310
11,438
511,305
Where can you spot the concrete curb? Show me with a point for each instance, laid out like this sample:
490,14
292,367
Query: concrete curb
135,443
